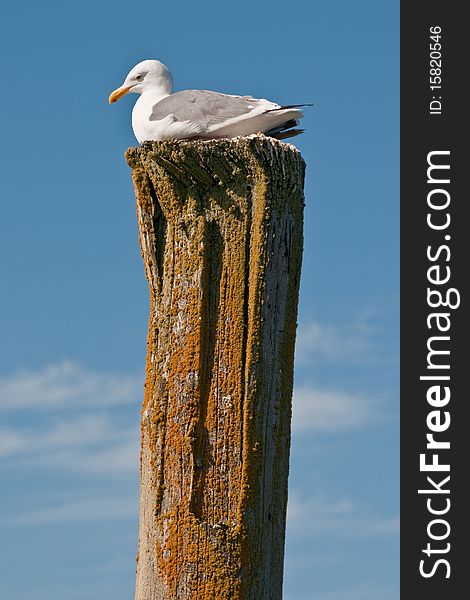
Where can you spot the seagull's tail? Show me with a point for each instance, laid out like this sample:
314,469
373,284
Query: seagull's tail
279,122
288,128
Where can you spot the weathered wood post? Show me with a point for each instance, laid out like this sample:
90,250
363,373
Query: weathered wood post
220,227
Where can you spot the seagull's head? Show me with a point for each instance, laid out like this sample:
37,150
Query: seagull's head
147,75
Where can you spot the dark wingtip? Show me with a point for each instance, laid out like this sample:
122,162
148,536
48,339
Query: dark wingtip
287,134
295,105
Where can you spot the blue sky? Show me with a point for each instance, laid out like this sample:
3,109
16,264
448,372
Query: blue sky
74,301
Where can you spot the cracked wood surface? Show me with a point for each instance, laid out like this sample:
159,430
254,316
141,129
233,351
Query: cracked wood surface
220,228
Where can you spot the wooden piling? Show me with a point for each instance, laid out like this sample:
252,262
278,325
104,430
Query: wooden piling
220,228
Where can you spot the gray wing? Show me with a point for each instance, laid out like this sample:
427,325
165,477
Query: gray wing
203,107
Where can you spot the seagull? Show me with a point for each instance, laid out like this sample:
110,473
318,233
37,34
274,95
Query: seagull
160,114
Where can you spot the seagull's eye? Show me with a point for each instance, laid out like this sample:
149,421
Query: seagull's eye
139,77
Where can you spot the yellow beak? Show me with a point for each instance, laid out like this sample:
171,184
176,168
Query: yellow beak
119,93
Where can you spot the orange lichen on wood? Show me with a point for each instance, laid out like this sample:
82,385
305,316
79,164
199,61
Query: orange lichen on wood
220,227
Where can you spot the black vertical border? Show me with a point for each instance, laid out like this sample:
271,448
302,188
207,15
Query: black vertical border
421,133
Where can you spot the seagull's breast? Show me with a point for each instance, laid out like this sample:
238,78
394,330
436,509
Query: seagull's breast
144,128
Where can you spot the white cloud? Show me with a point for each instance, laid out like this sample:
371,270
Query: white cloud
10,442
93,444
340,517
345,523
350,343
72,426
110,458
83,509
82,430
67,385
78,425
330,410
